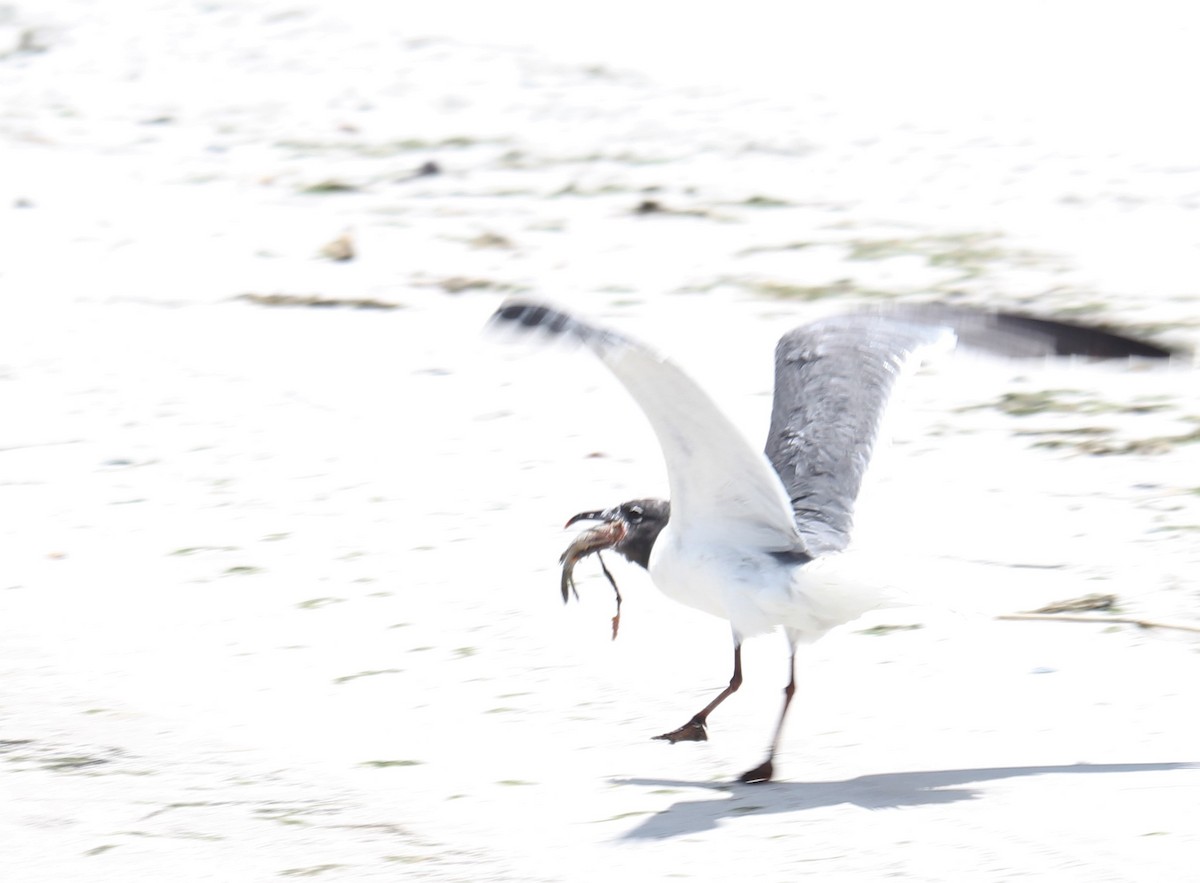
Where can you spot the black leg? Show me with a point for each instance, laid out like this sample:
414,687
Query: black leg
764,771
695,729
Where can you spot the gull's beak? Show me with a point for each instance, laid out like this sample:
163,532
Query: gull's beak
594,515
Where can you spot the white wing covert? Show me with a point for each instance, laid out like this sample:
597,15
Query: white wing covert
718,481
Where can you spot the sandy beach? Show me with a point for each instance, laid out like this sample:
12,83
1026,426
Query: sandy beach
279,524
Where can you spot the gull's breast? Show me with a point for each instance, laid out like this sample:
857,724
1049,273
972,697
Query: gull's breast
756,590
751,588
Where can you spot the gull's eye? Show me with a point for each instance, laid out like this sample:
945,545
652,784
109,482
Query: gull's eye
635,513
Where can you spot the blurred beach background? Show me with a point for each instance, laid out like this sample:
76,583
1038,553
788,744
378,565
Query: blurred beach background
279,525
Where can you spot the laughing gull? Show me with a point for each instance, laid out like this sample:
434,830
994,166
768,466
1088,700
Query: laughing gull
745,534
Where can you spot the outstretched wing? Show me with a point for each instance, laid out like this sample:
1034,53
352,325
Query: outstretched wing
833,379
718,481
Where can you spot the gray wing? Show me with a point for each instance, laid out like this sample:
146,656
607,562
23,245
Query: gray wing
720,485
833,379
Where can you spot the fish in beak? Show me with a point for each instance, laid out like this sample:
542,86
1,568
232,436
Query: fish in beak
593,541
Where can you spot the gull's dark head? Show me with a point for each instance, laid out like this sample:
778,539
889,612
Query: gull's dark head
643,521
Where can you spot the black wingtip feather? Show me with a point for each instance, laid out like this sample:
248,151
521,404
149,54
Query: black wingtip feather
527,314
534,315
1018,334
523,315
1073,339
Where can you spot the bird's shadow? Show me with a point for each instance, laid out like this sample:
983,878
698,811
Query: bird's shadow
878,791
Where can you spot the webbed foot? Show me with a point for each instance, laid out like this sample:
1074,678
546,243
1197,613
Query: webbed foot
693,731
758,775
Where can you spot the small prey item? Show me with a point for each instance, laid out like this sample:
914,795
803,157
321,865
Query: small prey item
592,541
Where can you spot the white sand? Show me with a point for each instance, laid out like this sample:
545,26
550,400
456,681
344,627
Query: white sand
278,592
